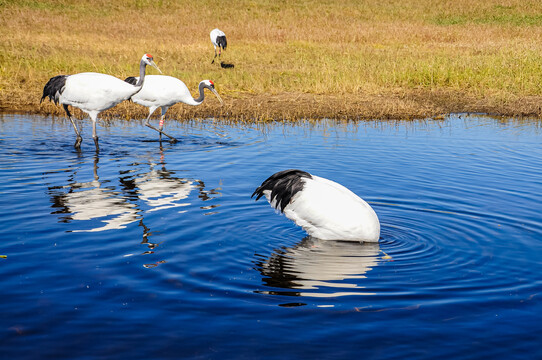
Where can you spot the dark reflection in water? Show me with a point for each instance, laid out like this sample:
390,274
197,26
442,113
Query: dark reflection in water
317,268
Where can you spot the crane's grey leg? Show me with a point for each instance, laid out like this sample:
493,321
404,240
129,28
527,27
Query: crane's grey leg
173,140
94,133
212,62
162,118
161,126
79,139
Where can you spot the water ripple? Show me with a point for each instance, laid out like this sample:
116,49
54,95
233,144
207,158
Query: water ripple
161,238
423,252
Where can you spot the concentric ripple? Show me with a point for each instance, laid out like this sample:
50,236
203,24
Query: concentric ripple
433,255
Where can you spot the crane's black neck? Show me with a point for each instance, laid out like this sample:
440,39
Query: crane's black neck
142,67
201,93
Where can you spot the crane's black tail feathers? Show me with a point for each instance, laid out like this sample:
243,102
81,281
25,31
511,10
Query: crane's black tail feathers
131,80
283,186
221,41
54,88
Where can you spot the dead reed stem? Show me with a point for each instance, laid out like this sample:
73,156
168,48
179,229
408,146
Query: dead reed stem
406,59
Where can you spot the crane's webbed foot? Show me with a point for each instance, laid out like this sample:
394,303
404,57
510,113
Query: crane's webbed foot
78,141
172,139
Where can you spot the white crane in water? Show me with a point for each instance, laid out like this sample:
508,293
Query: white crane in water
161,91
218,38
325,209
93,93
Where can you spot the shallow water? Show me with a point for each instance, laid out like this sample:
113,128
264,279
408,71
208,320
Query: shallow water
150,250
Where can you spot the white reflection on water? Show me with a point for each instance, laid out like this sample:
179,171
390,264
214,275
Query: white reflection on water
318,268
161,191
157,189
83,201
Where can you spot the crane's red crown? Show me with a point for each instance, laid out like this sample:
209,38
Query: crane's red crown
149,56
212,83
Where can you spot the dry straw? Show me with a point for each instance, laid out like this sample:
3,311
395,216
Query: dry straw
293,59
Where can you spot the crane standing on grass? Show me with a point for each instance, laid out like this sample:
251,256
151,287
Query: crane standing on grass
162,91
93,93
218,38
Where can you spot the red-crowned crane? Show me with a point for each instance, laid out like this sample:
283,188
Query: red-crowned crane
323,208
161,91
93,93
218,38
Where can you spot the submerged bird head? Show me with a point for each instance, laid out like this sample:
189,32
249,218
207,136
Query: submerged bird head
211,86
149,60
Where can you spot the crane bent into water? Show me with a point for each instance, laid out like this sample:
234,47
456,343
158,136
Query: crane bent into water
93,93
323,208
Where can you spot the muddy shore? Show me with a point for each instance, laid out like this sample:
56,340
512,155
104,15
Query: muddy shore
295,106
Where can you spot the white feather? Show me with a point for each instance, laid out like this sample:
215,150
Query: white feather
95,92
329,211
162,90
214,34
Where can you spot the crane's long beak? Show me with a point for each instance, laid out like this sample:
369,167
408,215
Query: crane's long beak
218,96
153,64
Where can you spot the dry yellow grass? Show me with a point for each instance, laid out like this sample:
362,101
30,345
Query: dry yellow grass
367,59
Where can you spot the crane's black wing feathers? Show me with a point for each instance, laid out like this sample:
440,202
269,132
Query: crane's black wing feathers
221,41
131,80
54,88
283,186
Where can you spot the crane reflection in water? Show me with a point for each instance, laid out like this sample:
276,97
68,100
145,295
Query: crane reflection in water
93,200
147,187
318,268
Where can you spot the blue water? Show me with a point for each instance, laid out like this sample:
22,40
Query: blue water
157,251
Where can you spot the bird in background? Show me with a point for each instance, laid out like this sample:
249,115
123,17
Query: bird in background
161,91
218,38
93,93
325,209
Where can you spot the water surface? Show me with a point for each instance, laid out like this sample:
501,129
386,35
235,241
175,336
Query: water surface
156,250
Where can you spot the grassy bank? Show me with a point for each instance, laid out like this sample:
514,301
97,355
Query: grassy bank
368,59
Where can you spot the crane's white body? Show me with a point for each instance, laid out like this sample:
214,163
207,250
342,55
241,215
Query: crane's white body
95,92
215,33
329,211
163,91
